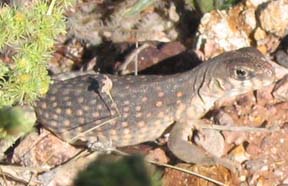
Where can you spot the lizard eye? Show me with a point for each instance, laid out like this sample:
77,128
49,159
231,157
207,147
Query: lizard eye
242,74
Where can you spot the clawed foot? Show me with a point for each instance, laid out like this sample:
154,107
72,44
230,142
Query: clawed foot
104,147
192,153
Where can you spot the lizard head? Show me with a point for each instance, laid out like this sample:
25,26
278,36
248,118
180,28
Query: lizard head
246,69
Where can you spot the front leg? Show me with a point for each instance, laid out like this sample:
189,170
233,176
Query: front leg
191,153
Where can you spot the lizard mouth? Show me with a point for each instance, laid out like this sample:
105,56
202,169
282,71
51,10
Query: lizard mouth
241,87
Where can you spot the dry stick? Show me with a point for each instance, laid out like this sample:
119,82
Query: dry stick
31,177
132,56
235,128
91,129
82,153
136,61
4,171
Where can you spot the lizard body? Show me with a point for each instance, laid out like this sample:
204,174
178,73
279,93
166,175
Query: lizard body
130,110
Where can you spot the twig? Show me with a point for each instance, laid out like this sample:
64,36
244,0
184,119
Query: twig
14,171
236,128
91,129
136,61
131,57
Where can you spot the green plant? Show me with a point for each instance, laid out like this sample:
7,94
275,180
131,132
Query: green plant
16,121
30,32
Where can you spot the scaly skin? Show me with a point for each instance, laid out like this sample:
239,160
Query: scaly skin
136,109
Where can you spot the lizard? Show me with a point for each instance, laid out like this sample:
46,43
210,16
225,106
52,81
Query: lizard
109,110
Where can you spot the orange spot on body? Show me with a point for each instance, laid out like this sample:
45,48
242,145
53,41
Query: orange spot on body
86,108
126,131
141,124
144,99
160,94
67,123
161,114
43,105
179,94
138,108
95,114
126,109
124,124
54,104
68,103
138,115
79,112
80,100
159,103
58,110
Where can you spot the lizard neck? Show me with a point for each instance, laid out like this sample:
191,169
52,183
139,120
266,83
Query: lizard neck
196,91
